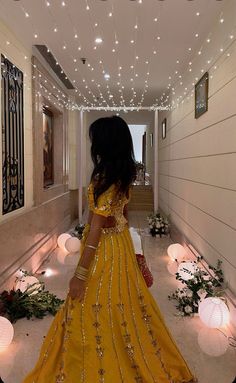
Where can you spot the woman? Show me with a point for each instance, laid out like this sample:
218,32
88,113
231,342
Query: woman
110,328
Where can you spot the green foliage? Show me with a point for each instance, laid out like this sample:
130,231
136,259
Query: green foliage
33,302
202,285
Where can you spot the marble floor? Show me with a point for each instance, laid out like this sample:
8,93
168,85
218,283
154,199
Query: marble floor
22,353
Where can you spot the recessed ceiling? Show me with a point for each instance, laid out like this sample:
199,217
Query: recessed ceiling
143,42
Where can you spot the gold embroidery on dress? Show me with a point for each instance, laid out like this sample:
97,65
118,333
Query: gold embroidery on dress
133,313
96,308
147,320
129,348
110,207
110,308
69,306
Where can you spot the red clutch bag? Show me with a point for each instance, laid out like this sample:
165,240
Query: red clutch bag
147,275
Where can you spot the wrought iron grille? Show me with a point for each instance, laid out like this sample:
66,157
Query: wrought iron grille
12,136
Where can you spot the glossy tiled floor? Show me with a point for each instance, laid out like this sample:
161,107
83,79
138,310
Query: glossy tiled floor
22,354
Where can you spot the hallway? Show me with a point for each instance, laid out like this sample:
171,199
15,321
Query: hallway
20,356
168,69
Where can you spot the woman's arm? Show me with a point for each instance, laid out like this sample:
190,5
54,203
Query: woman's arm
93,238
77,283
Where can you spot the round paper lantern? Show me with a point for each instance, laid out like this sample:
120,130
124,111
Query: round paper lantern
213,312
212,341
176,251
72,245
67,259
6,333
187,269
172,267
26,282
61,240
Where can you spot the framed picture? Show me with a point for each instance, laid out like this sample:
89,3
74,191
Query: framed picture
48,175
201,96
163,128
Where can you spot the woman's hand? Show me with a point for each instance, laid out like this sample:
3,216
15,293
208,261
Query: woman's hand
77,288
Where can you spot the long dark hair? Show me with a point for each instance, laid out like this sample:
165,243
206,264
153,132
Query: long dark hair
112,154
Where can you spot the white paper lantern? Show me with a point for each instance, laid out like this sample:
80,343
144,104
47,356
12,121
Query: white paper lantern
172,267
61,240
72,245
213,312
6,333
26,282
213,342
187,269
176,251
67,259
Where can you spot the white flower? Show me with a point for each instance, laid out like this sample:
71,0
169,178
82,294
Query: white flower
189,293
202,294
180,293
188,309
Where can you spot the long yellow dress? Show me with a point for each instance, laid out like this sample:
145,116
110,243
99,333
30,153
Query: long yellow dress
117,334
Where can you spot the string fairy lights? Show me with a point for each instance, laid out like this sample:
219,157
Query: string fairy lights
126,83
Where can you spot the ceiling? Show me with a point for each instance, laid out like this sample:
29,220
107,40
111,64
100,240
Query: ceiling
144,42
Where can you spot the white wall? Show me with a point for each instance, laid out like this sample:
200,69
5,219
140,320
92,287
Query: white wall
137,132
197,175
16,53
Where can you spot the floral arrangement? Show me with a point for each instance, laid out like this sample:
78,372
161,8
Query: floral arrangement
158,225
35,301
78,231
201,285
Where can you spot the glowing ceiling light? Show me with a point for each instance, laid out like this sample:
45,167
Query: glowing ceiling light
107,76
98,40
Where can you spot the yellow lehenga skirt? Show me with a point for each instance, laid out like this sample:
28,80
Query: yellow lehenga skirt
117,334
